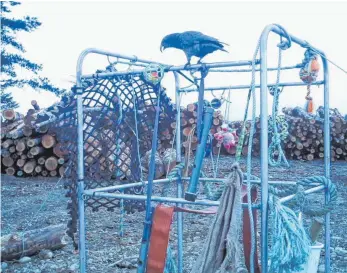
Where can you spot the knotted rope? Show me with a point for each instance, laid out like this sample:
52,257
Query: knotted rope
290,242
221,251
275,145
311,210
278,122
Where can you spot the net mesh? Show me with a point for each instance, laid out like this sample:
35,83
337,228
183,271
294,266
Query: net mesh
112,149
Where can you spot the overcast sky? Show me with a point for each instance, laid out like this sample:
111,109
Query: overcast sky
136,28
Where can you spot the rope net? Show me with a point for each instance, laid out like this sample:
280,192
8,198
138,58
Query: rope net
118,130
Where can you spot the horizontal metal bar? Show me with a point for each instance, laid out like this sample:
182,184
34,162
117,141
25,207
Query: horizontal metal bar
154,198
311,190
166,180
126,186
169,68
248,86
201,202
274,182
131,58
257,69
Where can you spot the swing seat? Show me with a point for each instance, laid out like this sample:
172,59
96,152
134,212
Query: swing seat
160,233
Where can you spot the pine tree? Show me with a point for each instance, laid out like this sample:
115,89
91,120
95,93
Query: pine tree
12,59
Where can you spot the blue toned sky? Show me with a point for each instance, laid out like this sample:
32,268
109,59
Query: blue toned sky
136,28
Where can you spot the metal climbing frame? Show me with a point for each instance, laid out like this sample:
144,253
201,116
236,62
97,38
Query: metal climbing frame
179,201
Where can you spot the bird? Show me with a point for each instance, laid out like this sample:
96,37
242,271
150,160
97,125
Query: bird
192,43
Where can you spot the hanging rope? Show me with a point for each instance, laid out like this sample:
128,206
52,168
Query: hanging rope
249,160
277,122
243,130
290,242
170,263
308,74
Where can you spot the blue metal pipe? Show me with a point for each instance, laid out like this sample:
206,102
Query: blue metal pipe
257,69
264,140
236,87
167,68
198,202
200,152
148,217
179,228
326,160
200,107
178,118
91,192
80,167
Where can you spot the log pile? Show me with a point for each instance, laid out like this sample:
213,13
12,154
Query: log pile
26,151
33,150
306,135
189,117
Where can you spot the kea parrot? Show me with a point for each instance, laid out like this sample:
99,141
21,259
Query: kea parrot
193,43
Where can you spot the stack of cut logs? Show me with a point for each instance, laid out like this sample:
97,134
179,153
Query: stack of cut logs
189,116
26,151
306,135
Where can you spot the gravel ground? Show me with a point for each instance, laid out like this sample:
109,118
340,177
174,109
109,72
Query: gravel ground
23,208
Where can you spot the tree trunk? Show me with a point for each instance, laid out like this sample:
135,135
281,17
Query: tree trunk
52,237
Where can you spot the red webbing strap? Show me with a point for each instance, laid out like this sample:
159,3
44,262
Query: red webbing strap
159,240
247,230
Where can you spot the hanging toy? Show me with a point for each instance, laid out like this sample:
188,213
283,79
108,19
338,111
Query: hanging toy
216,103
308,74
153,73
227,137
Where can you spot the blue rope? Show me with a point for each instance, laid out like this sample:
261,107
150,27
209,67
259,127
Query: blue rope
137,144
290,242
275,144
249,160
170,264
121,219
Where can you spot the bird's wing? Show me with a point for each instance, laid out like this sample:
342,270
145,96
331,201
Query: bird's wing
193,37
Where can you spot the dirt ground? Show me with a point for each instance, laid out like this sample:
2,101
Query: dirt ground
31,203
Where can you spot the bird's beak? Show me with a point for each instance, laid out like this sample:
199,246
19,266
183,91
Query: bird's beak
162,48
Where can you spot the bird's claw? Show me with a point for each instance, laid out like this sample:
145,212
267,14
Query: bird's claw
186,65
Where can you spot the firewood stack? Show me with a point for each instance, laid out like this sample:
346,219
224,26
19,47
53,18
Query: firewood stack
306,134
189,118
29,150
26,151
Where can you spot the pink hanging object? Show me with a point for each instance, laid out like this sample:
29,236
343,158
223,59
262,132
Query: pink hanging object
226,136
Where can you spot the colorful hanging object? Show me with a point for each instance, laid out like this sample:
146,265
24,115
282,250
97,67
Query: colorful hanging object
153,73
227,137
216,103
309,105
308,74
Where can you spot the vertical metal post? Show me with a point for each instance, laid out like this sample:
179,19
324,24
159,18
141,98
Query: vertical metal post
178,118
80,169
148,218
264,150
326,160
191,194
200,107
179,228
179,182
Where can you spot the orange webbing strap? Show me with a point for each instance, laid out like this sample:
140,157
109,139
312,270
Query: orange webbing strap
247,230
159,240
